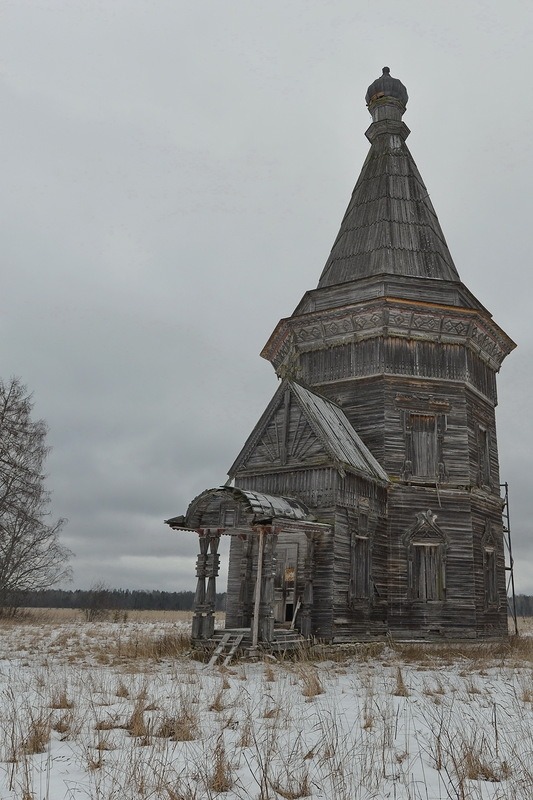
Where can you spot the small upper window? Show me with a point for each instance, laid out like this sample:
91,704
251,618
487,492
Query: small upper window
424,444
228,517
424,435
484,456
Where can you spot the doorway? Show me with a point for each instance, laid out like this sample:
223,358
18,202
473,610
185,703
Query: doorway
285,582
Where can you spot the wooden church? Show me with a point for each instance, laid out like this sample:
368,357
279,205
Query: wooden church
366,501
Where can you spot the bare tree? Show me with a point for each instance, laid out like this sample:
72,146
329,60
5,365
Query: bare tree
31,555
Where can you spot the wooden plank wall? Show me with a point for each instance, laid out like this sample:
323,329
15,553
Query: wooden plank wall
315,487
456,616
398,356
323,581
491,618
361,618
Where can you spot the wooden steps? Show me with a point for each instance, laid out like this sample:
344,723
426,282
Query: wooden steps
227,643
230,642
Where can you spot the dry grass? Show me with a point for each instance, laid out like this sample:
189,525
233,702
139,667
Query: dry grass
60,699
60,616
221,778
136,725
181,727
217,704
400,689
139,645
311,685
477,765
469,721
38,734
293,786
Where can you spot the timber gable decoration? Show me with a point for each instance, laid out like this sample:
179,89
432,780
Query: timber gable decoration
365,502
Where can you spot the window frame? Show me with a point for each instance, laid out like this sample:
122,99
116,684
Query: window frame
428,576
423,539
414,463
360,579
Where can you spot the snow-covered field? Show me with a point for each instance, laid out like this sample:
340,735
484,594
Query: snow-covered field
117,710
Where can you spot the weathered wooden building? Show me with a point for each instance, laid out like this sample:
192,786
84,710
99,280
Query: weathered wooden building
366,500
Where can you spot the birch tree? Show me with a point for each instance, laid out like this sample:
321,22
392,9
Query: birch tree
31,555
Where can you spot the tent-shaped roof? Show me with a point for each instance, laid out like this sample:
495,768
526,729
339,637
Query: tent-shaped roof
390,226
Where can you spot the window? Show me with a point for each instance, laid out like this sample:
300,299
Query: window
490,566
360,569
424,436
483,438
491,584
424,444
427,575
359,588
426,550
228,517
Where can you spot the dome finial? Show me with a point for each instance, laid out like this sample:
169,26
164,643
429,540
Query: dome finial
387,94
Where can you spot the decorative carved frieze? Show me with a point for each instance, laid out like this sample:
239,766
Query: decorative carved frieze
386,317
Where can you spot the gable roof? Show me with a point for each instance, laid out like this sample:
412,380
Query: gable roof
331,427
338,435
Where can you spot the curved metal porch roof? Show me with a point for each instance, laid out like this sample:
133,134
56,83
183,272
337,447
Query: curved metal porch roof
256,506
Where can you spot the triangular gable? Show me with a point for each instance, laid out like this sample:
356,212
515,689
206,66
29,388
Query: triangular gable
283,437
338,435
300,427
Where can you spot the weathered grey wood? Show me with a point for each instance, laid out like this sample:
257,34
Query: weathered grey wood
219,649
233,649
383,427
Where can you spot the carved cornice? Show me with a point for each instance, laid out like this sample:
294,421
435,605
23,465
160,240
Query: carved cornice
390,317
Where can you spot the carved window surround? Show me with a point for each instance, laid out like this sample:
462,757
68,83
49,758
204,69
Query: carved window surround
427,547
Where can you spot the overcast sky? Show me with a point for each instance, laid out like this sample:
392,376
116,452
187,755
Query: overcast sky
174,175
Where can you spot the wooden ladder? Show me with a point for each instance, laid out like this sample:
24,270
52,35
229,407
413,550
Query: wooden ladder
227,641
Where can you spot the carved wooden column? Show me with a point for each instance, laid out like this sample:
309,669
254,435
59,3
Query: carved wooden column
245,594
306,621
207,566
266,614
199,597
212,569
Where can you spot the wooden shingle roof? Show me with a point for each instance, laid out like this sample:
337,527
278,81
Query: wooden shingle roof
390,226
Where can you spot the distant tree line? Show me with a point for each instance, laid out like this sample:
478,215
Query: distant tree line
524,605
154,600
113,599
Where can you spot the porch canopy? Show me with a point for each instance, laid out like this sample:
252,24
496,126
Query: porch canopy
229,510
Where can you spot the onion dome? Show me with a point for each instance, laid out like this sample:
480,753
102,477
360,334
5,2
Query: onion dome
386,86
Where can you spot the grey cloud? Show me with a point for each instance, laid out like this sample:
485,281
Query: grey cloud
173,179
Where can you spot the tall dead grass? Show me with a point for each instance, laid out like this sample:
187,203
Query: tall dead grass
152,723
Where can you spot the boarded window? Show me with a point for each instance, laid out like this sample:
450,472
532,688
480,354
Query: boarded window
491,584
484,456
427,572
424,444
228,517
359,568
